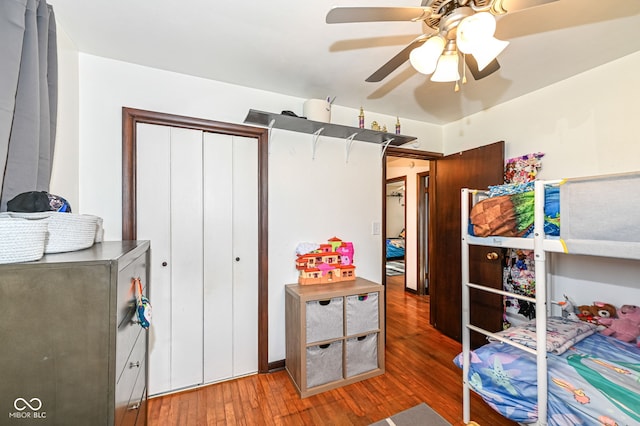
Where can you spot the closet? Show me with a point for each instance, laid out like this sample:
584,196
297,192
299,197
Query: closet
197,202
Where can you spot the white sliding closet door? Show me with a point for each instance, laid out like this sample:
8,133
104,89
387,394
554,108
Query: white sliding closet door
186,257
204,253
153,158
245,254
231,209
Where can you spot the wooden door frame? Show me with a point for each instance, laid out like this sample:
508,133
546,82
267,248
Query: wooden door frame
130,118
423,216
394,151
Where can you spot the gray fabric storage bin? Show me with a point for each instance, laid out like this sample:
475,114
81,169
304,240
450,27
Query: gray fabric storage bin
362,313
324,319
324,364
362,354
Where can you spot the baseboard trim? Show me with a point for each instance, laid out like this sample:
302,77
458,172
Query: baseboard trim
276,366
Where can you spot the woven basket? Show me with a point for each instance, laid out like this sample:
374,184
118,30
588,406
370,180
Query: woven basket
66,231
21,240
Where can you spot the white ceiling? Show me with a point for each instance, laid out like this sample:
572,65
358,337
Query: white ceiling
285,46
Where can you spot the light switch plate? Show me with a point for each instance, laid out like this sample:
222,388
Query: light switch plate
375,228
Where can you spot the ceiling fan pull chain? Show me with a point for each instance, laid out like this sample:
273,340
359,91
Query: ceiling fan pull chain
456,88
464,68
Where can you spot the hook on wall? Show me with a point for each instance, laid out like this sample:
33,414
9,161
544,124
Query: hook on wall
349,142
271,123
316,135
385,146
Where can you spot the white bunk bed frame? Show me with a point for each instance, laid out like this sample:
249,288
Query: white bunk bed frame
540,245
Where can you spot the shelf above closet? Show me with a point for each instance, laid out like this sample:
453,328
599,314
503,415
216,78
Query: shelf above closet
302,125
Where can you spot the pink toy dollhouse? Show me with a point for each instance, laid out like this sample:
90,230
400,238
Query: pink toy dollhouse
332,262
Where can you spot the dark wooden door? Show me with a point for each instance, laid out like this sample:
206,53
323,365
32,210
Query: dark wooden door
485,267
475,168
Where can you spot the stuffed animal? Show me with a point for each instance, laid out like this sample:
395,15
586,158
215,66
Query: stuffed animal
586,313
626,327
592,313
568,309
605,310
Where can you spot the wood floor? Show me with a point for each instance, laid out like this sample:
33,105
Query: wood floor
419,368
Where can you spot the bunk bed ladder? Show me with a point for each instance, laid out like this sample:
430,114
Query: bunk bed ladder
540,300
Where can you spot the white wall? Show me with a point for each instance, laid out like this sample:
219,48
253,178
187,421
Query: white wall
65,173
309,200
586,125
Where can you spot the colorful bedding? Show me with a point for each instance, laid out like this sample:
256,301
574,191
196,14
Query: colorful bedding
595,382
509,212
395,248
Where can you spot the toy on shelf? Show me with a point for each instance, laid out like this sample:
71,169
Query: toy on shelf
325,263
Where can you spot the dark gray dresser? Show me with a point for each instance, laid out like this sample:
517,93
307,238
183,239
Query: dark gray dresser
71,352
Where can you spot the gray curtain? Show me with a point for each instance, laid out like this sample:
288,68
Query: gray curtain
28,96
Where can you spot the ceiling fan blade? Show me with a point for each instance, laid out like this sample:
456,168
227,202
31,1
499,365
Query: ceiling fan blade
472,64
511,6
340,15
397,60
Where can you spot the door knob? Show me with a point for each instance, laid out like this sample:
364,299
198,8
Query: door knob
492,255
237,259
164,263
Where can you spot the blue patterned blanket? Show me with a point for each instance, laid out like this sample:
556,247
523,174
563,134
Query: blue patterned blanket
595,382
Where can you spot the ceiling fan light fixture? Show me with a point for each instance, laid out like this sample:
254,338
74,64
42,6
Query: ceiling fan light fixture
473,31
488,51
447,69
425,58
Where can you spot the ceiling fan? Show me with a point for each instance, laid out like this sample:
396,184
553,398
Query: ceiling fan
451,28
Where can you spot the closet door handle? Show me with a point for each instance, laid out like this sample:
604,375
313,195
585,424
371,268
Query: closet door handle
237,259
